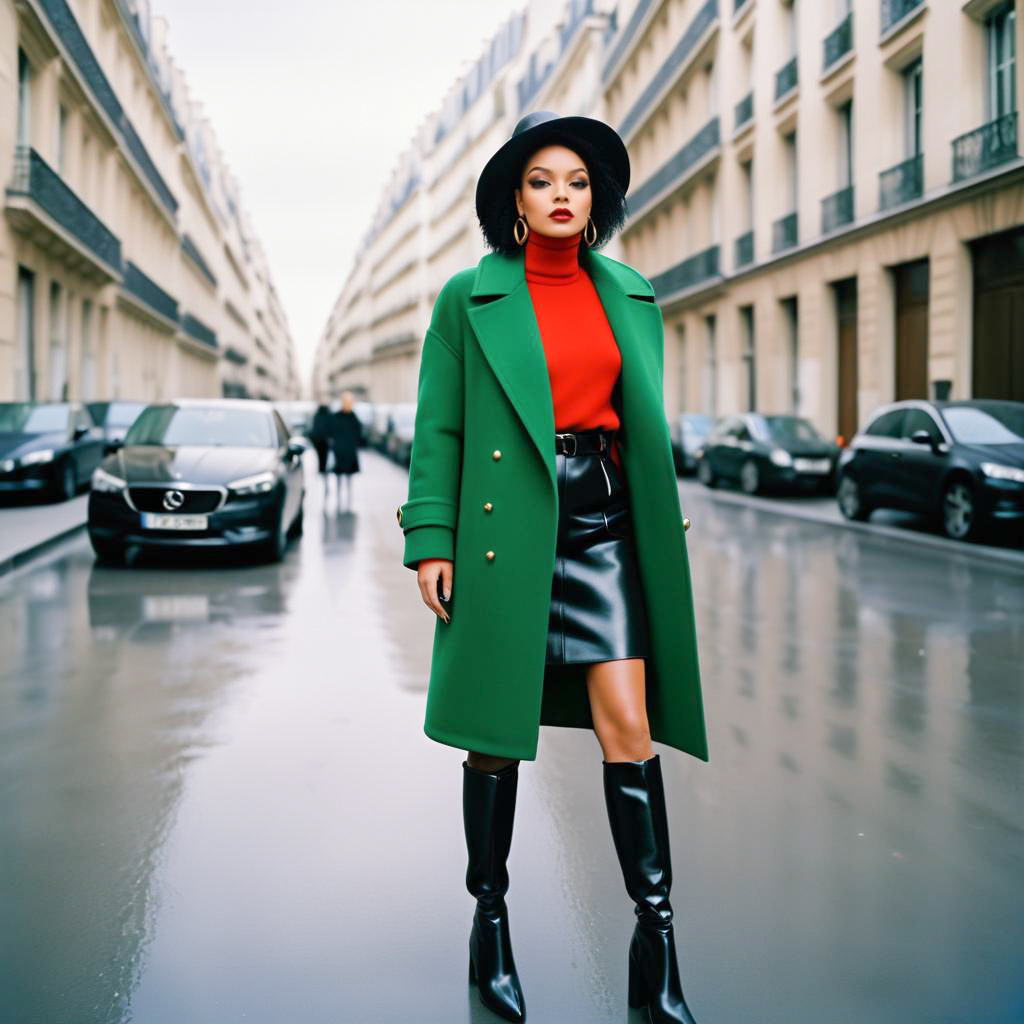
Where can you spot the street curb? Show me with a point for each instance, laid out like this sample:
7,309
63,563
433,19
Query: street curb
1005,557
20,558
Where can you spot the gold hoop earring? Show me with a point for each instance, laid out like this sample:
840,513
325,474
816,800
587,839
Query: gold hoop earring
590,224
526,230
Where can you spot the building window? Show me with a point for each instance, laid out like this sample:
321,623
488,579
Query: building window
711,366
681,371
62,139
913,105
25,377
24,98
747,319
748,194
791,320
846,144
792,189
1000,29
88,381
58,345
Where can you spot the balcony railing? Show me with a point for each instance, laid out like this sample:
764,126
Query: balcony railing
902,183
70,34
745,249
837,209
35,179
745,109
786,79
671,66
197,330
691,272
149,293
675,170
986,147
737,4
625,40
784,232
896,10
839,42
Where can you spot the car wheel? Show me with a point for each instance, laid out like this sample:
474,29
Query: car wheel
67,486
295,530
274,549
705,474
960,519
107,551
750,477
851,502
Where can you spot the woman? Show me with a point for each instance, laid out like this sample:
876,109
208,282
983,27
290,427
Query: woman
345,431
319,435
542,467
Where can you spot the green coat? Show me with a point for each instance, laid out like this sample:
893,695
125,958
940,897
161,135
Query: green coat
484,435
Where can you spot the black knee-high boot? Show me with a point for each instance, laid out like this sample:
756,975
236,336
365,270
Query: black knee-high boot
488,806
635,798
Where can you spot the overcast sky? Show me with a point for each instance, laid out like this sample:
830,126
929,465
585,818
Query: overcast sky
312,104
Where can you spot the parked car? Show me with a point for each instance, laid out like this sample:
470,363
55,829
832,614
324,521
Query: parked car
114,419
959,462
197,473
297,415
403,419
47,448
689,431
380,426
765,452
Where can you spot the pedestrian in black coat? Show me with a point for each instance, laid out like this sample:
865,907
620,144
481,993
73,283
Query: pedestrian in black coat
346,433
320,435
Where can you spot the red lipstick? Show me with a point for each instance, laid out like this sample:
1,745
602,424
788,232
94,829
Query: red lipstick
560,213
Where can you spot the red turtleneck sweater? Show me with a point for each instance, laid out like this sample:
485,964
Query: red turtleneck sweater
582,355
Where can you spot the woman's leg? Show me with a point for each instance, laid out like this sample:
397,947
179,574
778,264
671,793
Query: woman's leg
618,705
486,763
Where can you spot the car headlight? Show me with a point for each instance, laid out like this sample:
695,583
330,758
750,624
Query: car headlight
781,457
261,483
998,472
106,482
35,458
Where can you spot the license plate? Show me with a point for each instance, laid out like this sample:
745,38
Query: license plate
160,521
811,465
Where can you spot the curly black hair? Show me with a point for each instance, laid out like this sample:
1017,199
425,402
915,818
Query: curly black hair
608,208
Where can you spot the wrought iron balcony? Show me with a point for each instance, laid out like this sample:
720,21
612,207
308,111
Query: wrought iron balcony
745,109
672,66
38,197
784,232
896,10
837,210
902,183
839,42
745,249
145,290
691,272
786,79
986,147
675,170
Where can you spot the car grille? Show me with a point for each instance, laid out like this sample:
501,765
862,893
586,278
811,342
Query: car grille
151,499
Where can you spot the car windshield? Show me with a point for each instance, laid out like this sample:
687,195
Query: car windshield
995,424
123,414
791,428
28,418
697,424
172,425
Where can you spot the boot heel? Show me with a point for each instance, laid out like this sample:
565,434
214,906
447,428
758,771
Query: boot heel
636,997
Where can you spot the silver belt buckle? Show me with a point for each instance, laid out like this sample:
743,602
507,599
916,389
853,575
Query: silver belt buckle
575,443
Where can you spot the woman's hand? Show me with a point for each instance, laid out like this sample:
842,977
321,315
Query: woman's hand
427,572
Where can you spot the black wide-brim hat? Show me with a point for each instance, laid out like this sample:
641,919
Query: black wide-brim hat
543,127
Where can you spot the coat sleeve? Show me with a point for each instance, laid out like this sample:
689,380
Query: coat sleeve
428,517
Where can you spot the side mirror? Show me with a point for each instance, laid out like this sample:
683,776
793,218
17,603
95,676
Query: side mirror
79,432
923,437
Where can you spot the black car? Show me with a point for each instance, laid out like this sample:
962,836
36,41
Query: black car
959,462
763,451
689,431
200,474
114,418
47,448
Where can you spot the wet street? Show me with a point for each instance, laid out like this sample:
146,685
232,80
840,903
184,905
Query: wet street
218,804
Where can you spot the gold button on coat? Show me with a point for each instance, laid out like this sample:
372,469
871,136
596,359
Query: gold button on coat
496,455
490,556
488,506
686,523
399,515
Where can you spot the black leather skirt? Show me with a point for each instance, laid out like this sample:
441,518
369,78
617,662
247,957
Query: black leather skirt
597,604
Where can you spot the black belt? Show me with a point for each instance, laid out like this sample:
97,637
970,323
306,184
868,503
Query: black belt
584,442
